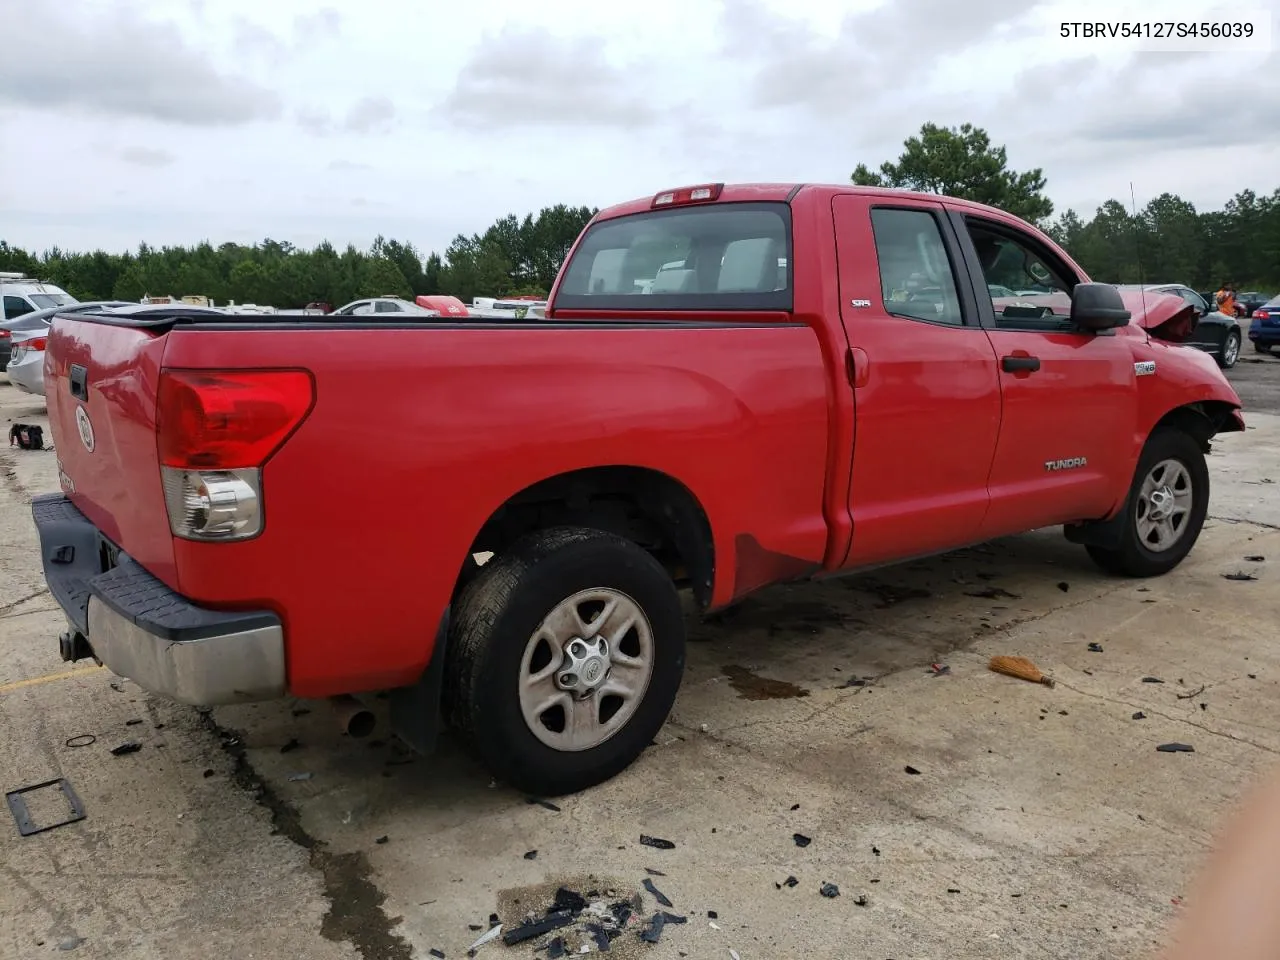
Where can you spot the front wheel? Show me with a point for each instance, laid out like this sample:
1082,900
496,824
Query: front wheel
1230,350
1165,511
564,659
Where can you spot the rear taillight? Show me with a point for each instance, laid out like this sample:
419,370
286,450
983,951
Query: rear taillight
215,430
36,343
5,334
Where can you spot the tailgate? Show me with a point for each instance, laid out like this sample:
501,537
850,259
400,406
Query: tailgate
101,382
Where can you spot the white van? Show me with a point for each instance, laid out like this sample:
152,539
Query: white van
20,295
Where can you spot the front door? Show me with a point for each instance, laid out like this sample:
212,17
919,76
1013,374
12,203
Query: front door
926,390
1069,397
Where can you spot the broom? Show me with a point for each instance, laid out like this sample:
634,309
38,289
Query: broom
1019,667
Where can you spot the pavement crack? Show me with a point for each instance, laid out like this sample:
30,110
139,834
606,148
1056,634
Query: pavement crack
1247,523
355,903
5,608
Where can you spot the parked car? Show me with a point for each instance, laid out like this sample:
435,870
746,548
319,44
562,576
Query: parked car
381,305
1251,300
1264,329
20,294
39,320
503,544
1215,333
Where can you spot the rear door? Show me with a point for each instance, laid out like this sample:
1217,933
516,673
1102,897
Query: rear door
926,391
1069,397
101,382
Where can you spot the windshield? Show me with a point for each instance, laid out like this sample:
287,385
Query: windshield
730,256
47,300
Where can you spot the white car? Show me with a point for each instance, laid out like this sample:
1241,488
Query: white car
26,360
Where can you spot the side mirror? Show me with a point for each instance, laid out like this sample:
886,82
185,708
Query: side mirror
1098,306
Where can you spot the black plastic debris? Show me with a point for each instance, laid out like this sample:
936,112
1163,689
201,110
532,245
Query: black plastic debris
622,911
953,889
1139,715
494,920
531,855
556,948
129,746
1095,648
654,873
653,932
568,900
382,840
291,746
912,771
860,902
1176,748
801,840
600,936
1239,575
134,722
1152,680
656,842
81,740
536,928
657,894
436,953
795,806
712,915
1064,586
674,917
1253,676
545,804
829,890
789,882
875,851
1255,559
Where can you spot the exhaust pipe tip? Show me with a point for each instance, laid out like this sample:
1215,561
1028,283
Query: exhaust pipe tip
355,719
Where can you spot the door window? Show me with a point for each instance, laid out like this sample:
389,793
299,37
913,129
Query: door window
16,307
387,306
916,276
1011,262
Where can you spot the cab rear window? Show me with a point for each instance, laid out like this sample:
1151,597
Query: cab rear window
726,256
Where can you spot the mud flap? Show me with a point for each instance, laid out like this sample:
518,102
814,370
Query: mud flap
1100,533
415,710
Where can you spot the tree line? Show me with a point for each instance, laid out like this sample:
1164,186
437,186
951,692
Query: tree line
1167,240
513,257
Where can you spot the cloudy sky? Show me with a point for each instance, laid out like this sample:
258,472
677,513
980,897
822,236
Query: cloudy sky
172,121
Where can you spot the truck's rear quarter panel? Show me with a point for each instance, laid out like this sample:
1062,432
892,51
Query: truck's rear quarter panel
419,435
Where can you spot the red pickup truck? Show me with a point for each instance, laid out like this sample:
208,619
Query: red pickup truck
491,521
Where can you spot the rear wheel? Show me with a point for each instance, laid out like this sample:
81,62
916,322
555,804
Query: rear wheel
564,659
1165,511
1230,350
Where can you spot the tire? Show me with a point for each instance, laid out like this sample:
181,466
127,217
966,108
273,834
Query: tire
500,640
1230,352
1136,556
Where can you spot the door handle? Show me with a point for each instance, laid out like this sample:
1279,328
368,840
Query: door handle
78,381
1019,364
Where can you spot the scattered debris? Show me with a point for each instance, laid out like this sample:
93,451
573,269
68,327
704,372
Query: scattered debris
1095,648
656,893
712,915
654,873
829,890
1255,559
1064,586
298,777
860,902
940,669
493,934
531,855
82,740
1152,680
16,799
653,932
1238,575
382,839
129,746
117,685
436,953
1176,748
1253,676
656,842
789,882
1139,716
207,774
1019,667
289,747
536,928
993,593
795,806
801,840
134,722
912,771
1192,695
875,851
853,682
545,804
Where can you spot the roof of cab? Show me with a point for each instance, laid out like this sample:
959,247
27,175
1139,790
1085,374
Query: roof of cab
776,192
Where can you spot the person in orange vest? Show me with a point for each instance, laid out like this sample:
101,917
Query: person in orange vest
1226,298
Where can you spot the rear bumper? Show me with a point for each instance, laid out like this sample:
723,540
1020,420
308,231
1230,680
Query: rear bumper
142,630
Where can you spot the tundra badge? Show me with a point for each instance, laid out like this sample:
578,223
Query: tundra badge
85,427
1071,464
1144,368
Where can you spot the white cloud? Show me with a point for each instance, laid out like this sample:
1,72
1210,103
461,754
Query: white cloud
241,119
